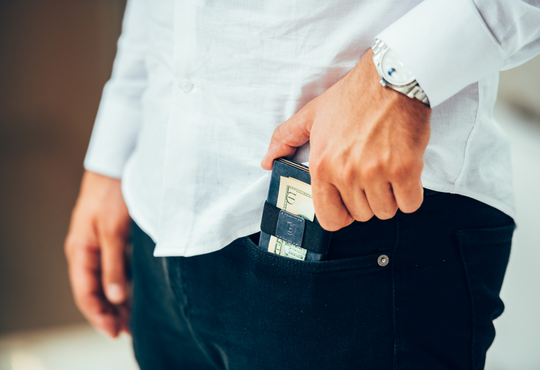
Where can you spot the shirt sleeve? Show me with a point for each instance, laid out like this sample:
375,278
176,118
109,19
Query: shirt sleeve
449,44
119,116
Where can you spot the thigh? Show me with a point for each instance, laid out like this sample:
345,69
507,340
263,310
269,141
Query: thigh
255,310
428,305
449,265
162,338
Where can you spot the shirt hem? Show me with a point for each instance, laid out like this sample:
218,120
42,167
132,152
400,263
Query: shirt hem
138,218
255,227
209,248
102,170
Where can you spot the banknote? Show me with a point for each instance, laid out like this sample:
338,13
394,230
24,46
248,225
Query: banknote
294,197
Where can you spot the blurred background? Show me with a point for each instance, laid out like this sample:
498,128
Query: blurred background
55,57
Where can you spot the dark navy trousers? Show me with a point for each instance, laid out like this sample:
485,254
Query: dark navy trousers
428,305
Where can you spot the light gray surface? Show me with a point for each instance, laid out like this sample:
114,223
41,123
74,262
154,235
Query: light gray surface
517,345
521,86
76,347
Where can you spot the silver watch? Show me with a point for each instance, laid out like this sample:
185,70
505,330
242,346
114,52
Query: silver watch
394,74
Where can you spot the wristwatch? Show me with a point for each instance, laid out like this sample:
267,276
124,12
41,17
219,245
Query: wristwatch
394,74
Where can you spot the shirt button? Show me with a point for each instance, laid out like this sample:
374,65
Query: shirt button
383,260
186,85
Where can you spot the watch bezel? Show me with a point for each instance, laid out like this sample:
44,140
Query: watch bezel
412,89
380,70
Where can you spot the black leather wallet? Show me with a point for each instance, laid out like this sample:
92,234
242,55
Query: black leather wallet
286,226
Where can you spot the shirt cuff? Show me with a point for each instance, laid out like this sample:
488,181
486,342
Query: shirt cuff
113,138
446,45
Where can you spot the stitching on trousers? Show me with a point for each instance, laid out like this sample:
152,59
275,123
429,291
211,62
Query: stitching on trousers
471,297
346,267
395,361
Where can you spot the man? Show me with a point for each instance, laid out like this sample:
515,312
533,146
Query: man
408,170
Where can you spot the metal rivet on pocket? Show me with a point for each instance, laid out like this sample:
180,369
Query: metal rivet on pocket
383,260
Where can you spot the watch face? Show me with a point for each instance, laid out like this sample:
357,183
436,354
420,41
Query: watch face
394,70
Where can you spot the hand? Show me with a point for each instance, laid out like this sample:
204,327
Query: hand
95,247
367,145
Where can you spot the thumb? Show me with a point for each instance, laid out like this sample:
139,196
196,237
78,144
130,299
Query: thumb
112,261
288,136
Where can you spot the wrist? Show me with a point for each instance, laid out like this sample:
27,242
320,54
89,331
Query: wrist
367,78
96,186
91,177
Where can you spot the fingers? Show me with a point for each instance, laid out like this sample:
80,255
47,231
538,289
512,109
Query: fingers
124,315
113,242
357,204
337,207
381,199
94,249
377,200
84,271
329,208
409,195
288,136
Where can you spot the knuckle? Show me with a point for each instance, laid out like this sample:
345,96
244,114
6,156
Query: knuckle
110,228
366,217
317,167
113,266
348,174
411,207
329,225
412,202
335,223
386,214
371,171
363,216
398,173
404,168
112,259
360,211
108,231
325,223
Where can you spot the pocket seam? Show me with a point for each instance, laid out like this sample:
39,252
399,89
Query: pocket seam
354,263
498,234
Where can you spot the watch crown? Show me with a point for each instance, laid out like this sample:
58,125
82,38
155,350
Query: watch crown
383,84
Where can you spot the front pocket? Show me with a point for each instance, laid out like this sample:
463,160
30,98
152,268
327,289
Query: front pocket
368,263
485,254
334,314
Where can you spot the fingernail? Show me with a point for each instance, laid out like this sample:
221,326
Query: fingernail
115,293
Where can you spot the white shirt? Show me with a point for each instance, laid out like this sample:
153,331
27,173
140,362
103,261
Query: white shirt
198,87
